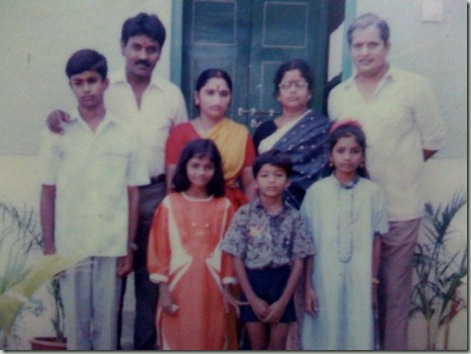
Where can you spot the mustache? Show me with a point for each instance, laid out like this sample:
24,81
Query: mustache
142,62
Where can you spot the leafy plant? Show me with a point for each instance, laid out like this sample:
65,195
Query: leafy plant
21,273
59,315
436,294
19,234
14,298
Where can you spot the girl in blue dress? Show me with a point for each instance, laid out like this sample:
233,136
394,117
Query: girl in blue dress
346,214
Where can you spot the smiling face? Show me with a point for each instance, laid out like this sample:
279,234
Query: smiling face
346,156
293,93
213,99
89,88
369,51
142,54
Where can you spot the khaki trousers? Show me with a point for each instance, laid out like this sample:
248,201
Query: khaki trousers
397,252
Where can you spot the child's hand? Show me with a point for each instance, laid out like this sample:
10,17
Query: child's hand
311,305
276,311
49,250
260,308
165,300
230,300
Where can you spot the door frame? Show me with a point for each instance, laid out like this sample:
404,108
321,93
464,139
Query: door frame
176,42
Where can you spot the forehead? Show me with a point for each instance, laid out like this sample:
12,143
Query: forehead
143,40
86,75
216,82
368,34
267,168
204,159
293,74
348,141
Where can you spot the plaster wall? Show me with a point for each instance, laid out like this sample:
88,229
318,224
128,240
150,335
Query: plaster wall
37,39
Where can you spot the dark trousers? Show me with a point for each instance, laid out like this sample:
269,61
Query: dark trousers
146,292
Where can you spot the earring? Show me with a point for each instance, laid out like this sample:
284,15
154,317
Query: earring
331,164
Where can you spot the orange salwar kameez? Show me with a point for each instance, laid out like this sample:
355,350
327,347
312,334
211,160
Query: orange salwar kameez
184,251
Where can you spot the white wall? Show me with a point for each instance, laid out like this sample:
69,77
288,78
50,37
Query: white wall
37,37
437,50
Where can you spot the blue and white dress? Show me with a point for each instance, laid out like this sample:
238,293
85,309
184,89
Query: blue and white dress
343,220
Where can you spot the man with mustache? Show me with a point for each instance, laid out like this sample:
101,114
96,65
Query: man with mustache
401,119
154,106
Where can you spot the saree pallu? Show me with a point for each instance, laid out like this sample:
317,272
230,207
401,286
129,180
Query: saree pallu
305,143
230,138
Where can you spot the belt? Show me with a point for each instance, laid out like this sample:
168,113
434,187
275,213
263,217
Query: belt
157,179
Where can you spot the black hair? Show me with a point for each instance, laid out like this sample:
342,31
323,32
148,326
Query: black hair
212,73
294,64
367,20
147,24
200,148
86,60
275,158
345,131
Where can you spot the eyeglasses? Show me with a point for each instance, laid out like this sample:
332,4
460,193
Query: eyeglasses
297,84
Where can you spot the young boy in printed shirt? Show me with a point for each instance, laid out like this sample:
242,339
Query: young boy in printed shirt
268,241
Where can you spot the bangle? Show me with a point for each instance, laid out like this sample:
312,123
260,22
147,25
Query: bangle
132,246
375,280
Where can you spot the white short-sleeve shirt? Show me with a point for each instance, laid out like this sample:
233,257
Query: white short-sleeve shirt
162,108
91,172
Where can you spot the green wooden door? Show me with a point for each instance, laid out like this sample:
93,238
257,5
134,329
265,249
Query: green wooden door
250,39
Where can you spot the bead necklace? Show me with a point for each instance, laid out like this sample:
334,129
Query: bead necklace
346,220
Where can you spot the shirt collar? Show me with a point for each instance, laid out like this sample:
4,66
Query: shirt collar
257,203
348,185
119,78
76,117
390,75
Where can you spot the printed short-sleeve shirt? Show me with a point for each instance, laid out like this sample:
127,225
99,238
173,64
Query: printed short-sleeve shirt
264,240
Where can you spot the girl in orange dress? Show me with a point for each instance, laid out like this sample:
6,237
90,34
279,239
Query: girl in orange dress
184,255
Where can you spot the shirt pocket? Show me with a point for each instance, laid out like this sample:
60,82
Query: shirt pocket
111,166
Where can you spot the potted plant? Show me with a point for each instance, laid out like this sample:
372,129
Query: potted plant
58,341
440,273
23,271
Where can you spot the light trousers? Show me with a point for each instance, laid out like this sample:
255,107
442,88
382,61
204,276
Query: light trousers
397,252
91,292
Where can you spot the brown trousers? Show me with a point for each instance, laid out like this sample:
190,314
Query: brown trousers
397,252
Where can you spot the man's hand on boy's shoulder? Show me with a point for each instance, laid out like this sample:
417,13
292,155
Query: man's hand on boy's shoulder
56,119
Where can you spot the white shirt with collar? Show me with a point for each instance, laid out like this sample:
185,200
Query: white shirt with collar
162,108
400,121
91,172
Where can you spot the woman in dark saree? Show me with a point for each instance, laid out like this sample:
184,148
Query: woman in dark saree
298,131
302,134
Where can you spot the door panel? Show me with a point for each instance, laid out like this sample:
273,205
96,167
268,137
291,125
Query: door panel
283,30
250,39
214,36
